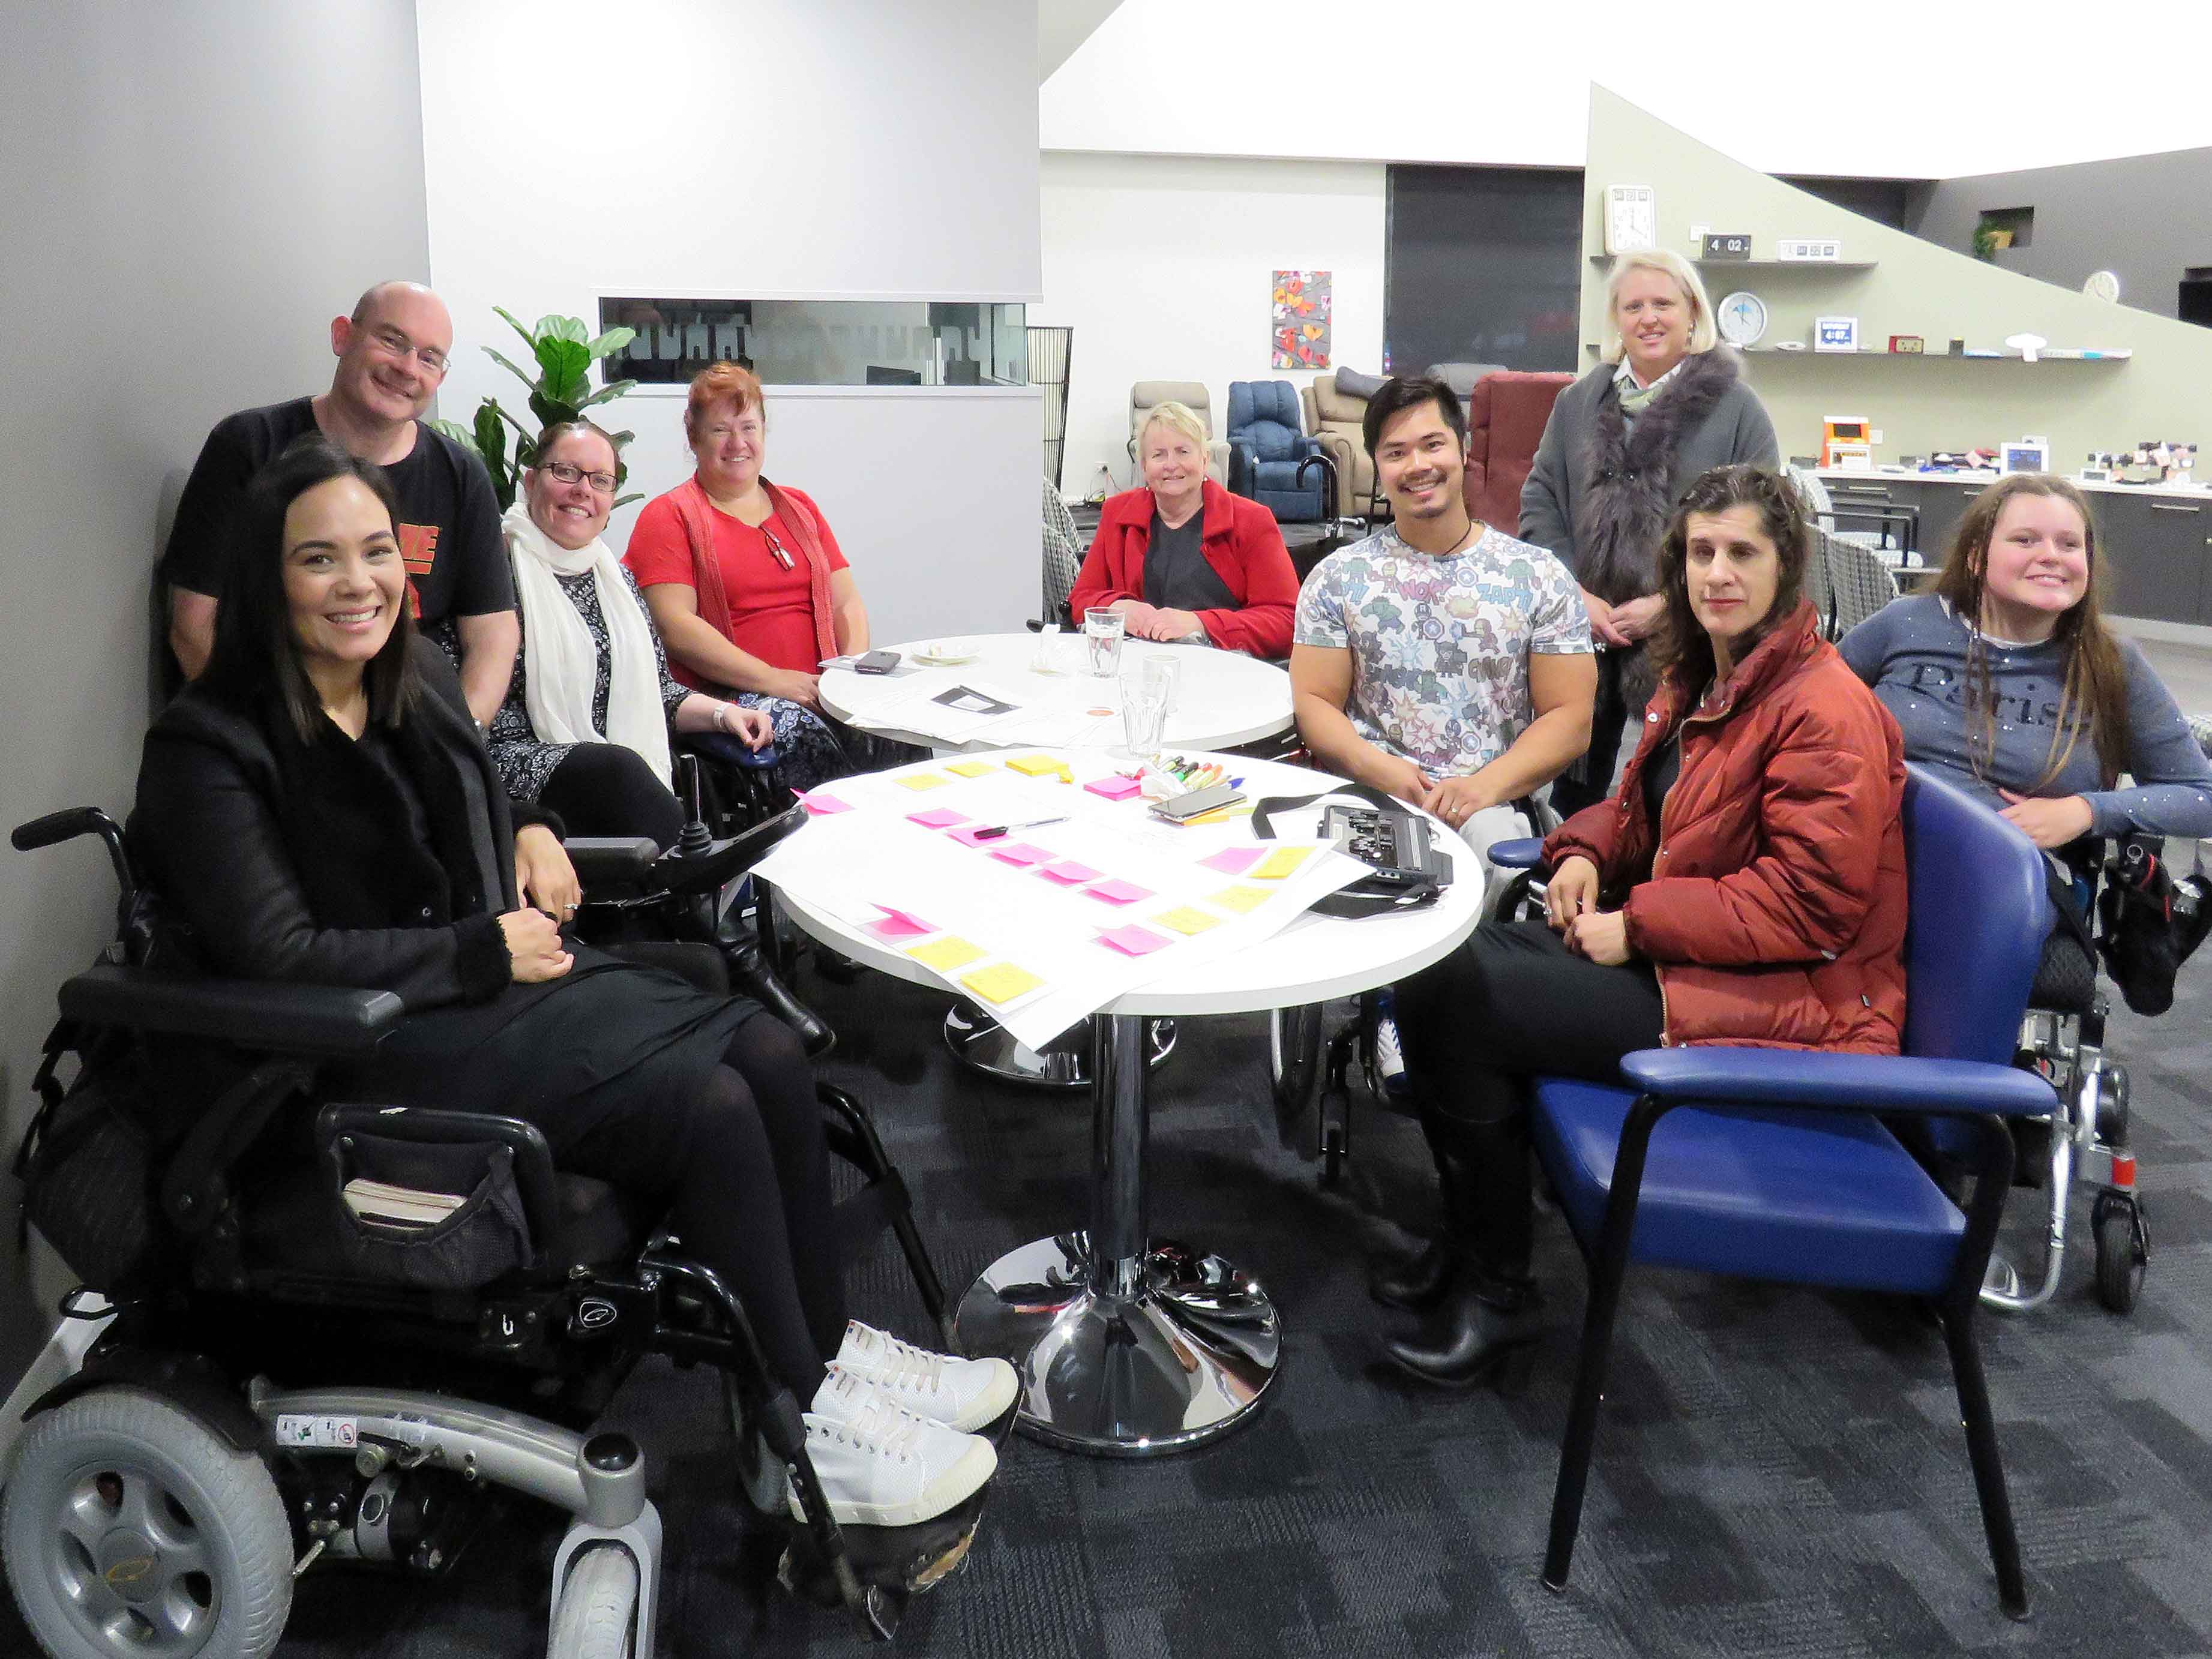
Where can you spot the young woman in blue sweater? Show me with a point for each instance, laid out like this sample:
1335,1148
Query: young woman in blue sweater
2006,682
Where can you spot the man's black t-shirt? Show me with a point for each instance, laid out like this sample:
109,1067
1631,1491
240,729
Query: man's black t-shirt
448,519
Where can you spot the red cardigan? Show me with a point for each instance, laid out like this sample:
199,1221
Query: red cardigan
1775,908
1239,540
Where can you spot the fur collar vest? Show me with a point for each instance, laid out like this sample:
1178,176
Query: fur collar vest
1628,474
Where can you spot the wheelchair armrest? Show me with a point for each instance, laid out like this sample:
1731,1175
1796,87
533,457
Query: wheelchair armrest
1524,853
721,747
723,861
1837,1083
610,858
291,1019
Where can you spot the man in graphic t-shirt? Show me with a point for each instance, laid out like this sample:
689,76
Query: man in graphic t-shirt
1440,661
392,354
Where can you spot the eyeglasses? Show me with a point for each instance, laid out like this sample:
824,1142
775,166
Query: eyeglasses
400,346
603,482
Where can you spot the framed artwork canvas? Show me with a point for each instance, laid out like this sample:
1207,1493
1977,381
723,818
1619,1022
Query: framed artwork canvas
1299,319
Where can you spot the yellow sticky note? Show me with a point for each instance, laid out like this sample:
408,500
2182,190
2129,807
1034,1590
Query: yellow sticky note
921,780
972,768
1039,766
945,954
1280,862
1184,920
1241,899
1001,981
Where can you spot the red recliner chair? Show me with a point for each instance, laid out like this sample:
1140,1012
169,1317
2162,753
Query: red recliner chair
1505,418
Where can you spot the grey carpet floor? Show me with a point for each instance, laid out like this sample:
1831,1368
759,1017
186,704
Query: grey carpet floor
1778,1471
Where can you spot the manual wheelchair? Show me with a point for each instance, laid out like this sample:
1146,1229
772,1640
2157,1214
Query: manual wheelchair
257,1379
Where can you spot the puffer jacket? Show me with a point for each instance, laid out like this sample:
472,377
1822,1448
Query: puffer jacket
1774,908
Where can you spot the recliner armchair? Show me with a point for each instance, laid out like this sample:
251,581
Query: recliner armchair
1334,419
1266,447
1506,412
1145,396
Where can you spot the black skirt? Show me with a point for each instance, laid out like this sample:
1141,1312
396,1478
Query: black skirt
609,1050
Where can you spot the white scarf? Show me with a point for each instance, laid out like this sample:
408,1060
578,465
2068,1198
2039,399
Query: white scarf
559,662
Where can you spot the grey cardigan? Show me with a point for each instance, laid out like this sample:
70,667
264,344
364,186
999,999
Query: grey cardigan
1555,507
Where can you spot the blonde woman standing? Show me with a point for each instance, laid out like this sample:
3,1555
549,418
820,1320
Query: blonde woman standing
1665,405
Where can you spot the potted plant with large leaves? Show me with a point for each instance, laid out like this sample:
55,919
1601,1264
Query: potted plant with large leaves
564,350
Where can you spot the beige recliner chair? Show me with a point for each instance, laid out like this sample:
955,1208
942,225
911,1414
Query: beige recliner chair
1335,417
1147,395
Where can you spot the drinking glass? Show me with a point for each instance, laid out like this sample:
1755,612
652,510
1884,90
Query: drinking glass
1148,695
1102,629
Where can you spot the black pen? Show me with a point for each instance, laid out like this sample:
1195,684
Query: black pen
997,830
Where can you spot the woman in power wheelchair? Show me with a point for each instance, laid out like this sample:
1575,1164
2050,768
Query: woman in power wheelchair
585,731
318,812
1745,885
2006,682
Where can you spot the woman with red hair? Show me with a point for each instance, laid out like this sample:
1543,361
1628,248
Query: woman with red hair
745,580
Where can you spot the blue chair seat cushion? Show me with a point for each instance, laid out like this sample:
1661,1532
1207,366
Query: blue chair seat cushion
1801,1196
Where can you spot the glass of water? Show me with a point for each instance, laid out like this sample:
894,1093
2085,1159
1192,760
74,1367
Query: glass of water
1148,698
1103,628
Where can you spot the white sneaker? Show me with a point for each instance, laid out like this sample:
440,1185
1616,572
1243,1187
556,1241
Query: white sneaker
963,1393
1389,1058
881,1465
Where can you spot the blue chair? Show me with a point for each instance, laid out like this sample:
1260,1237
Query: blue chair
1266,448
1777,1165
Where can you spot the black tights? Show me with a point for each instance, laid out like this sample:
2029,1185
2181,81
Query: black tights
752,1200
607,789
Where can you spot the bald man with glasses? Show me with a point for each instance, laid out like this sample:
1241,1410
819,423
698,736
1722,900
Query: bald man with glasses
392,353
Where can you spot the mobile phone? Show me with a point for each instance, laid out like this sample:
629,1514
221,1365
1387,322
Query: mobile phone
1197,803
877,662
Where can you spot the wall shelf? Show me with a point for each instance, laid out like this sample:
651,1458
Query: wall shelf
1763,265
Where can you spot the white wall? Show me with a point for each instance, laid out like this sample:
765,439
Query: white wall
1162,266
193,193
1894,88
785,149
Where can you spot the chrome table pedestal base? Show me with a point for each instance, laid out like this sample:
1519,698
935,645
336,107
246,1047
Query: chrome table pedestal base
1182,1356
1127,1347
981,1044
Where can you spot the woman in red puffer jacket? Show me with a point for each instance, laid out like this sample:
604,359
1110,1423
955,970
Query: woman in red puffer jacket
1746,885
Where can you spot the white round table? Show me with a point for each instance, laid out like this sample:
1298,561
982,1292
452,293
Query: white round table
1128,1345
1226,698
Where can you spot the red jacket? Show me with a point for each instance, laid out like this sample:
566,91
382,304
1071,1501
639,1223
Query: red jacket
1775,908
1239,540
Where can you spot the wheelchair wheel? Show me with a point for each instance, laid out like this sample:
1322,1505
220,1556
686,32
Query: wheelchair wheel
762,1477
2123,1252
130,1529
597,1606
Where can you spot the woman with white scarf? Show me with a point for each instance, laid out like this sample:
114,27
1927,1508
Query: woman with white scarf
584,732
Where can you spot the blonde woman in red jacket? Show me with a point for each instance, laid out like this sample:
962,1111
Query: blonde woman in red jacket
1182,558
1746,885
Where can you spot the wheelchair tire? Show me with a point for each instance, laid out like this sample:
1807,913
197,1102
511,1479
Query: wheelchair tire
2121,1260
598,1609
130,1529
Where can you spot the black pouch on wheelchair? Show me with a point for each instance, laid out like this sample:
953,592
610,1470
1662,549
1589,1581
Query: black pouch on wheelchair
88,1167
1406,874
433,1216
2152,923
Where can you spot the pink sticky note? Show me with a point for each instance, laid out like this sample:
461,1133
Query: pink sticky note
1116,787
1119,893
1133,941
973,835
1021,853
899,924
1234,861
821,806
941,819
1069,871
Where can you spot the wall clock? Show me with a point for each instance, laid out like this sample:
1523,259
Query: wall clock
2102,285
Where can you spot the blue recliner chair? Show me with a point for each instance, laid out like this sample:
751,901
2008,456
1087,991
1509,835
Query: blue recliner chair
1777,1165
1265,447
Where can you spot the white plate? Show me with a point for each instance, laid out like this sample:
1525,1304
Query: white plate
946,653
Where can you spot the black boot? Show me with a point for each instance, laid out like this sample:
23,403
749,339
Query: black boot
1490,1313
749,973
